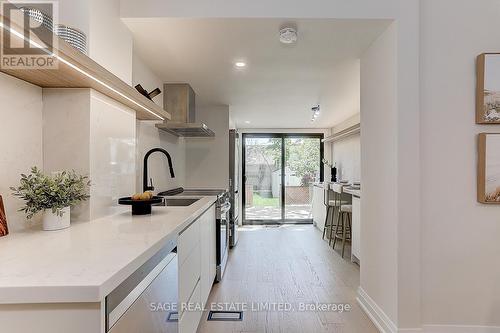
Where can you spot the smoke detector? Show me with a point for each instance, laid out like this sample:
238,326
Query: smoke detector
288,35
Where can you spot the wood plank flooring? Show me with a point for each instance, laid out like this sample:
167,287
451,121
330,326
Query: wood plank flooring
294,266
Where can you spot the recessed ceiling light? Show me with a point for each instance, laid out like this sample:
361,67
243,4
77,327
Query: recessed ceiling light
240,64
247,121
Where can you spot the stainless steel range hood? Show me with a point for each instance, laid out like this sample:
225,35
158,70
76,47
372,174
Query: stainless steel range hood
179,101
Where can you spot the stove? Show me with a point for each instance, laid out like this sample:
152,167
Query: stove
204,192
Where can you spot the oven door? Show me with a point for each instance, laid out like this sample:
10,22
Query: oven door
222,238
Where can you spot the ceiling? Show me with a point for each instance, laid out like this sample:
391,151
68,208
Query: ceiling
280,83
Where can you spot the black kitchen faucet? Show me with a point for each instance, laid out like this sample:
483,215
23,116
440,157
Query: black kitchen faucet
145,185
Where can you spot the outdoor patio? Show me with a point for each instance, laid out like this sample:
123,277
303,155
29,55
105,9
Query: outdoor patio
292,212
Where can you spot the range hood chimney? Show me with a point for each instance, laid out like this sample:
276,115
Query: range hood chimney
179,101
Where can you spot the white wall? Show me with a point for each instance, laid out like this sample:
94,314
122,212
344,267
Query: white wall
379,271
460,237
20,138
110,41
75,14
347,106
346,153
66,136
143,75
207,159
112,154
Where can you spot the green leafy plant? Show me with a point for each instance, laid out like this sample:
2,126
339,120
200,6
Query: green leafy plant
54,192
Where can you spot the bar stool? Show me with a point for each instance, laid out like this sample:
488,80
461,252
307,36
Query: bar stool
343,226
332,205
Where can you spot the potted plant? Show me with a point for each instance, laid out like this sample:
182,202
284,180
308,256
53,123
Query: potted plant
53,195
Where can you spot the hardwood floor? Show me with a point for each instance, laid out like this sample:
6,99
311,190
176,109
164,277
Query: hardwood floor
293,266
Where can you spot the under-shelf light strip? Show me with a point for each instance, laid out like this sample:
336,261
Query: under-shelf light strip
16,33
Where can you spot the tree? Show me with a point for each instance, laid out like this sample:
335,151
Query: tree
302,156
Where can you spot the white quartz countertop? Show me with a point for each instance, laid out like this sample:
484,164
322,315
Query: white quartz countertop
85,262
353,191
347,189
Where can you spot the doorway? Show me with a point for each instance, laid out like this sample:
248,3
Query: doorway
279,170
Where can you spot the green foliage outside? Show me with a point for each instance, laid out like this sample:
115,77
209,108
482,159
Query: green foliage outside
302,156
259,201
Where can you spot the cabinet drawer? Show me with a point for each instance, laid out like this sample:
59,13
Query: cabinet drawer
188,240
190,317
189,275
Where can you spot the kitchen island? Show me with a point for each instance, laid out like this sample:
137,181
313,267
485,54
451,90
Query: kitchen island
319,214
355,223
57,281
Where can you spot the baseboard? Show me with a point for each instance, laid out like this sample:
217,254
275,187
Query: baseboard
460,329
385,325
376,314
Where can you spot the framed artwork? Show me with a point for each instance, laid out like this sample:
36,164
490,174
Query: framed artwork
488,180
488,89
4,230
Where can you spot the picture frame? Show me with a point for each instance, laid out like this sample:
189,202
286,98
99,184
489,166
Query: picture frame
488,179
4,229
488,88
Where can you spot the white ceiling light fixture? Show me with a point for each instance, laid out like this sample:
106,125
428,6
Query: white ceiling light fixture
315,112
240,64
288,35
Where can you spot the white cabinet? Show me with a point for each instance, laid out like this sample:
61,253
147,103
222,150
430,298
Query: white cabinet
318,207
196,249
208,255
356,230
189,277
189,320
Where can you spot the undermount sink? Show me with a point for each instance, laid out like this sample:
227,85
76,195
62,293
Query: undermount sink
180,202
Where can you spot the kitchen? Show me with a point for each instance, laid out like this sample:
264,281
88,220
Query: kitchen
181,238
189,166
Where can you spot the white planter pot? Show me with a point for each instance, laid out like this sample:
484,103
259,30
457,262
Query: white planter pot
53,222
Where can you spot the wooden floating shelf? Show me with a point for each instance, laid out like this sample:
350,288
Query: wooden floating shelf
76,70
350,131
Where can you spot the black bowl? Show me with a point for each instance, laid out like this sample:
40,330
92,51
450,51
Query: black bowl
140,207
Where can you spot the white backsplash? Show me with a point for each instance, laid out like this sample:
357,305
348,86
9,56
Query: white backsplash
93,135
21,140
112,154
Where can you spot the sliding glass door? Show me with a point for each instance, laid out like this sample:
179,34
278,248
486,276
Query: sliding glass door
262,178
302,169
278,173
